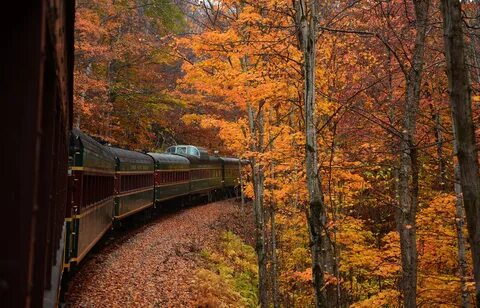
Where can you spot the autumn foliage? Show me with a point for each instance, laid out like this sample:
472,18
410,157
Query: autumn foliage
238,86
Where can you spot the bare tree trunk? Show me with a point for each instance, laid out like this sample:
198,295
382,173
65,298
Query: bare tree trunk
111,96
257,134
242,198
459,223
442,173
474,42
335,208
408,173
306,22
464,130
240,182
273,233
459,215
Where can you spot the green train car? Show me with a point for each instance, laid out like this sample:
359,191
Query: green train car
205,170
108,184
172,176
91,198
230,174
134,182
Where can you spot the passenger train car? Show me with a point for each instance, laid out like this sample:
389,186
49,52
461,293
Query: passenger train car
91,194
109,184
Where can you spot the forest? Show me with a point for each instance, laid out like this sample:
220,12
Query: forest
359,120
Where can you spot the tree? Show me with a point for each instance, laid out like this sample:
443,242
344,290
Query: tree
121,57
409,168
306,22
463,126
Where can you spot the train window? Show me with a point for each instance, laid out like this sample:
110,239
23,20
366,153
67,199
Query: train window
96,188
136,181
193,151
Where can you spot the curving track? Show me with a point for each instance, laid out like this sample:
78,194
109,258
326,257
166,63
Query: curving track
152,266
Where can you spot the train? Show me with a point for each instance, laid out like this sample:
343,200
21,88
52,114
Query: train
109,184
62,190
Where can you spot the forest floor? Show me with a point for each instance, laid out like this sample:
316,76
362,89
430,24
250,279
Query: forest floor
154,265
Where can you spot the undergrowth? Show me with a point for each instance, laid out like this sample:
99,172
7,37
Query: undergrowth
231,276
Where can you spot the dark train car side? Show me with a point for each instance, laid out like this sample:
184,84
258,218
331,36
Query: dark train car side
230,174
134,182
172,176
92,173
205,170
36,82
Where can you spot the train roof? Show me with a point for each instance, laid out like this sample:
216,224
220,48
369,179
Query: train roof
230,160
88,153
91,144
169,161
204,161
132,161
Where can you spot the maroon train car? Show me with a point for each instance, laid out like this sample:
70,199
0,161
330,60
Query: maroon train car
36,92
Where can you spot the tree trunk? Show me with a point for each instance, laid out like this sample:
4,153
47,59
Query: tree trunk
257,134
306,22
408,173
459,223
442,180
273,234
242,198
474,43
273,231
464,130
